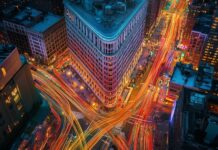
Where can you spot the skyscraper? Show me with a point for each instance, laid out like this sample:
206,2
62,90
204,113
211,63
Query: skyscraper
154,8
190,20
198,120
198,38
41,34
211,50
185,76
105,38
17,93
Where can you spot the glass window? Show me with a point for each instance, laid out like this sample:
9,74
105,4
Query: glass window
8,100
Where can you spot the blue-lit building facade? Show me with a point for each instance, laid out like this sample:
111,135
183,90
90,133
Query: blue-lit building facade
210,54
191,125
105,42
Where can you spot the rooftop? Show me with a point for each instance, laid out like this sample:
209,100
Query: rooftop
5,51
25,16
27,12
197,100
33,19
107,27
203,23
185,75
48,21
204,76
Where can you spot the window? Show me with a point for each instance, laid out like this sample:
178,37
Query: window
8,100
3,70
14,92
17,98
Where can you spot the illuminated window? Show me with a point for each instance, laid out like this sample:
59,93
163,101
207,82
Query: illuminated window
17,98
14,92
3,70
19,106
8,100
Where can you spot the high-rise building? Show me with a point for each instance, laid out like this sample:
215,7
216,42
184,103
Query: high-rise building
105,38
42,35
215,87
153,11
210,54
190,21
17,94
185,76
197,7
198,39
196,47
198,121
195,108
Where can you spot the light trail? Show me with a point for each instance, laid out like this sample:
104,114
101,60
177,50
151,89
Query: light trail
141,135
146,109
51,88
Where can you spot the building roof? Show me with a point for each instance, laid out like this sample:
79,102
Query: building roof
33,19
203,23
197,100
25,16
5,51
27,12
204,78
184,75
48,21
100,25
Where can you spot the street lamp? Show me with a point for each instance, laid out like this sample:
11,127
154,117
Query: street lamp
69,73
81,87
95,105
75,84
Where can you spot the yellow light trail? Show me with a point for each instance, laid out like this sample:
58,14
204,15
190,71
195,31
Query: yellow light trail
102,124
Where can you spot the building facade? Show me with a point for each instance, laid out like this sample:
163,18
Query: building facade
198,38
210,54
47,42
196,105
185,76
42,35
154,9
105,44
17,93
198,121
190,20
196,47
